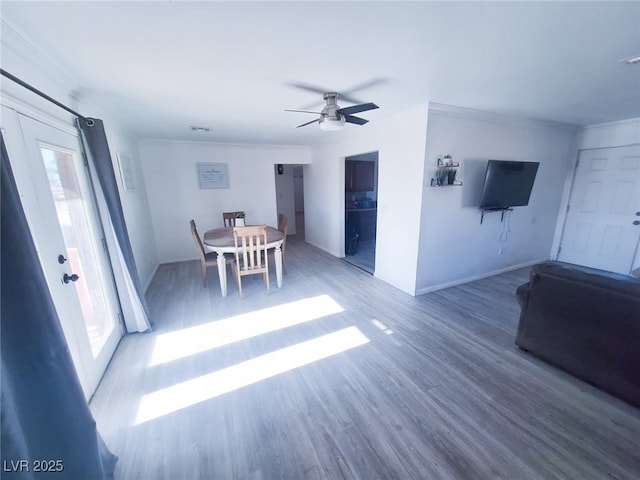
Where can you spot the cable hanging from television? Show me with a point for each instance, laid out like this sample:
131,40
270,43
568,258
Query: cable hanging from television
506,225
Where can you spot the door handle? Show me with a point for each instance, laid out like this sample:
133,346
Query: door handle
636,222
70,278
61,259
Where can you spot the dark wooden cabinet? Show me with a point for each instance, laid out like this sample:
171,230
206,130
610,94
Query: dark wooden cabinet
359,175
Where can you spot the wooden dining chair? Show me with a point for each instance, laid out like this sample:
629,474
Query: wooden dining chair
251,253
283,226
229,219
207,259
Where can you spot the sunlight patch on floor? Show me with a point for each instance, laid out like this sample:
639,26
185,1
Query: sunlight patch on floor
191,392
190,341
382,326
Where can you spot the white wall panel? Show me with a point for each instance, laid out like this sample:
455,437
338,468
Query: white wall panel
400,142
175,197
454,246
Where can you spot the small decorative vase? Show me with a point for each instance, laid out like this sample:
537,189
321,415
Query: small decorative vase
240,222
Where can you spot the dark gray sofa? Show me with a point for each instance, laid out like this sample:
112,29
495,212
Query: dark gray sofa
585,321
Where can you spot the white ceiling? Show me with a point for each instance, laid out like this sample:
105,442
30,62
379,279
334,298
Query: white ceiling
160,67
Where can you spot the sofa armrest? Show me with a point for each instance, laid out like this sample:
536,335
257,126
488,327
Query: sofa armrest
522,294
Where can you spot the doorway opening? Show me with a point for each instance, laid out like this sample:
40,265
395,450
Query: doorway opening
361,210
290,196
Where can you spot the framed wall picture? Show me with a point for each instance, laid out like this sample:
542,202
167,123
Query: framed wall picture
213,175
126,172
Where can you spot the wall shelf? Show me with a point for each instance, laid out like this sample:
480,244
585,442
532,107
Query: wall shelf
454,184
446,165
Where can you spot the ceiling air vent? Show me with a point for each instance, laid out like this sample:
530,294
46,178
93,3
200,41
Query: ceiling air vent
199,129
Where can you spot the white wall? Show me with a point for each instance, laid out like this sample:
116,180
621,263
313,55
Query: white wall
454,246
175,197
21,59
134,203
606,135
400,141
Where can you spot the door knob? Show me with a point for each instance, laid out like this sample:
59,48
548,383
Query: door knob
636,222
61,259
70,278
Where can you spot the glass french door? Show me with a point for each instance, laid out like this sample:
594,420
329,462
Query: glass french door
60,206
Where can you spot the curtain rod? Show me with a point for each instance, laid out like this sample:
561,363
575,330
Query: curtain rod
38,92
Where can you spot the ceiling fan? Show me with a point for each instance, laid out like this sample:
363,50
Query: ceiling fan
332,117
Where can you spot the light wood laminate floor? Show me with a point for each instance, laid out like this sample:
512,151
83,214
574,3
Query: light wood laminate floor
365,257
338,375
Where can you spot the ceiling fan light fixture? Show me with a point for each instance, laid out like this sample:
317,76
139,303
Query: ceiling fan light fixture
331,123
332,117
631,60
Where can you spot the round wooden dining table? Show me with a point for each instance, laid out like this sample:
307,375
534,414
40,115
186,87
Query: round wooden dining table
220,240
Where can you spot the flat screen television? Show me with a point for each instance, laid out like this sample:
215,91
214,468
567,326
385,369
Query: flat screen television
507,184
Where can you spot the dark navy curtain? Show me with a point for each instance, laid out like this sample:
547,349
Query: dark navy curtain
44,415
95,140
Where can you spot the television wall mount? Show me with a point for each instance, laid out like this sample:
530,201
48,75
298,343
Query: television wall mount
493,210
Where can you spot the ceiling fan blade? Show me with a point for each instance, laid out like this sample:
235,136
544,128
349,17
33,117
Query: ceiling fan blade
348,98
363,107
362,86
309,88
314,105
308,123
356,120
302,111
346,94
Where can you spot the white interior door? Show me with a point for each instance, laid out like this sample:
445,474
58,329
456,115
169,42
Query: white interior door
53,181
602,228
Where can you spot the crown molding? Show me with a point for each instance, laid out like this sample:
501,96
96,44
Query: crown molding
34,59
26,61
628,121
255,146
480,115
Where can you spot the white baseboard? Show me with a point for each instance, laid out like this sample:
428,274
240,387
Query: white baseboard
150,279
320,247
480,276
